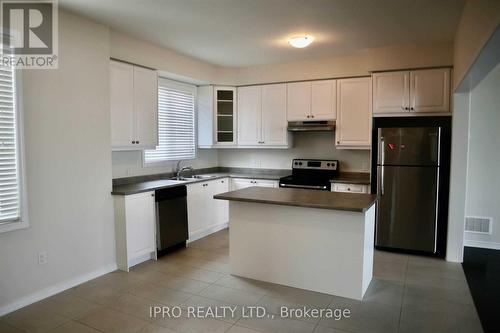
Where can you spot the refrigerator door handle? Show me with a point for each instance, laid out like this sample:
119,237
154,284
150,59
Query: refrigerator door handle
382,172
380,180
382,150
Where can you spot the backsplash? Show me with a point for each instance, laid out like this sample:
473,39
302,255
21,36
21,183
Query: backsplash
320,145
305,145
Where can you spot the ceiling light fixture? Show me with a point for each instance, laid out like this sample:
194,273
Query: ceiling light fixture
301,41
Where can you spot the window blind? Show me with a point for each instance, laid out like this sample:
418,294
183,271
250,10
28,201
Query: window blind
176,123
9,171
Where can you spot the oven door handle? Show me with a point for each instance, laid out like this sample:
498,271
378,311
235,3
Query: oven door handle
315,187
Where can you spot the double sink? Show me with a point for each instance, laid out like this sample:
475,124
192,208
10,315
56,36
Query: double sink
192,178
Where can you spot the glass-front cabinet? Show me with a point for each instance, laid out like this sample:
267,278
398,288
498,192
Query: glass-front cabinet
216,116
225,122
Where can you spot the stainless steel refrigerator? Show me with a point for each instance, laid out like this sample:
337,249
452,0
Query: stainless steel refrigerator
408,171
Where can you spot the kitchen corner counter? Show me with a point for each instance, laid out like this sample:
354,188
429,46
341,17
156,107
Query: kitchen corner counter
361,178
302,198
157,184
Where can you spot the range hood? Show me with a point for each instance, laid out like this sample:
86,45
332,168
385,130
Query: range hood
311,126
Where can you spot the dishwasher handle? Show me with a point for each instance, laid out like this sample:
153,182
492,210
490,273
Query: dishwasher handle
170,193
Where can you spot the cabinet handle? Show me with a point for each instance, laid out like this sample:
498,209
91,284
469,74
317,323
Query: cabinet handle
133,142
152,194
338,142
137,142
407,108
308,117
312,116
412,108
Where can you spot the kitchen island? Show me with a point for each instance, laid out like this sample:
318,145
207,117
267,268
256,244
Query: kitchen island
314,240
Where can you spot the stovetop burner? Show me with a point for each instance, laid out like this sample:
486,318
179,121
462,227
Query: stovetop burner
311,174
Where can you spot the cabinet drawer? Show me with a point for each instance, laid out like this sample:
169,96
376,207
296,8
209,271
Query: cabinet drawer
352,188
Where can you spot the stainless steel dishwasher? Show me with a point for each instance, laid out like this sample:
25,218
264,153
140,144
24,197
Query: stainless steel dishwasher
171,219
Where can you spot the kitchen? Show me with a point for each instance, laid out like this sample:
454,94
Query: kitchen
322,175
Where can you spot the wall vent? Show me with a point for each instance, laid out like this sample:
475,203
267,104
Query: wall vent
479,225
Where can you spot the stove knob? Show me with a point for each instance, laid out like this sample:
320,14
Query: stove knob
296,163
328,164
300,163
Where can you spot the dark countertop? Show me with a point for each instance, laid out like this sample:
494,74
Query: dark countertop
302,198
152,185
352,178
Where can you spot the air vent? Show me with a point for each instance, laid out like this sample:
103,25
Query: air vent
479,225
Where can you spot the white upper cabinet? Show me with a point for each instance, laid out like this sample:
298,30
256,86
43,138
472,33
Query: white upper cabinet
312,100
298,101
217,116
391,92
134,107
353,126
430,90
262,116
249,115
146,107
274,124
122,104
425,90
323,100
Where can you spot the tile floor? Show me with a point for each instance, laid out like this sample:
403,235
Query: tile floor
407,294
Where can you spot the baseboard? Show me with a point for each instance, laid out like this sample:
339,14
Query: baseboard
55,289
482,244
206,232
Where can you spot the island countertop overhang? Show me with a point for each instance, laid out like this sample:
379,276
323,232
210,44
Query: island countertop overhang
302,198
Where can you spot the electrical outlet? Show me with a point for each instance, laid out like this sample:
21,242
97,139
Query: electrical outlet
42,258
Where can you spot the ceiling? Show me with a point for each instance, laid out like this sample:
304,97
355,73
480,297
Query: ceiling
239,33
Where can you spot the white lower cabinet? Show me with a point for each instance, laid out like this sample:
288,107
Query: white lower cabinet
135,229
206,214
240,183
350,188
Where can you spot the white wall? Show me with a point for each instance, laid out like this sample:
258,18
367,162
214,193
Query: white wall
483,181
479,19
129,163
306,145
68,160
168,62
354,64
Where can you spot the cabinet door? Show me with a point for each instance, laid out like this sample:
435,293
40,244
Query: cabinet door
140,223
225,115
323,100
122,105
241,183
430,90
249,116
274,124
265,183
298,101
146,107
391,92
205,99
221,207
353,126
197,205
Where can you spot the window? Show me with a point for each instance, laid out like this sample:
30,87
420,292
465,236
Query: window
11,180
176,123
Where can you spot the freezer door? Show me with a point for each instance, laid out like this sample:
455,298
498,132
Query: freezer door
417,146
406,215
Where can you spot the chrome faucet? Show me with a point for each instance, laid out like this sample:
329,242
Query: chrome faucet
179,170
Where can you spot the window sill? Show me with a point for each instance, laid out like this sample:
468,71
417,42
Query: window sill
11,226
